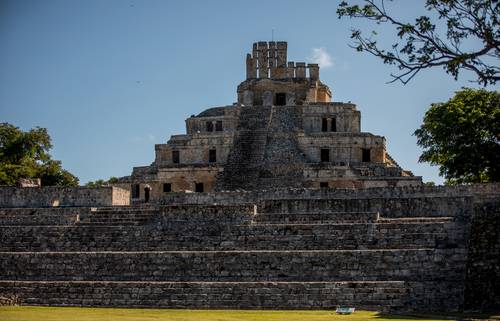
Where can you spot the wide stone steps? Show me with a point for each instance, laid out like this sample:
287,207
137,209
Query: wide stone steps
187,235
369,295
390,208
39,216
120,216
312,265
316,217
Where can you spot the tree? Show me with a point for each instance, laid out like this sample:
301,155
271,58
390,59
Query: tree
26,155
101,182
471,41
462,137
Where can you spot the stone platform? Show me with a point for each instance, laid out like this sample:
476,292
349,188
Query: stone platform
392,249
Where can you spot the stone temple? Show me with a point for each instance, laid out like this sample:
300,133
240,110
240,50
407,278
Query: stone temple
278,201
284,131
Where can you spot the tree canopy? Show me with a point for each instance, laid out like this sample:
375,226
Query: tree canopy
468,40
101,182
462,137
26,155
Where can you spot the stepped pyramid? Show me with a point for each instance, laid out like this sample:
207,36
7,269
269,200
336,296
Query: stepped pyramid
276,202
282,132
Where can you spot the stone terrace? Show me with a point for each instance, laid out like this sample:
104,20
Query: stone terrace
407,250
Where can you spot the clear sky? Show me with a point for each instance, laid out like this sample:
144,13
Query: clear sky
109,79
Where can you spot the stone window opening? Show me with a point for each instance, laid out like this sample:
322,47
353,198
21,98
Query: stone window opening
280,99
199,187
210,126
175,157
366,155
136,190
333,125
325,155
323,184
212,156
147,190
167,187
324,125
218,126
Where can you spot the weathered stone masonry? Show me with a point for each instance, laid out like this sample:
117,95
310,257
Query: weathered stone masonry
293,206
414,248
283,131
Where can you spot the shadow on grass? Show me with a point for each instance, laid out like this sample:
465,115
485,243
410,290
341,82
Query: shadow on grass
439,317
409,317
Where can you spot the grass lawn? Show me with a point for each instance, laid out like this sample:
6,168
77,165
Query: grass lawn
23,313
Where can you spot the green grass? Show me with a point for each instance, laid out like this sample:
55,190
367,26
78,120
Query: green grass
108,314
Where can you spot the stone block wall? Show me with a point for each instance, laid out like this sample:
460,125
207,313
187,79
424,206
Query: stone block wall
241,266
41,216
483,261
347,118
229,295
62,196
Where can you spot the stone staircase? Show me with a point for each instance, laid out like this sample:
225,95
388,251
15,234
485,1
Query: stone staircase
265,152
283,160
316,218
120,216
242,169
289,253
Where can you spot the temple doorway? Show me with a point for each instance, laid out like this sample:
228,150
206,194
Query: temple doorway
147,190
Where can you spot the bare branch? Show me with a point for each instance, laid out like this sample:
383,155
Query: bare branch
425,48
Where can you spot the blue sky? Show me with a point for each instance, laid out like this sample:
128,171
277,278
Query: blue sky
109,79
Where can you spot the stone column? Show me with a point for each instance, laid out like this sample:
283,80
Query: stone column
255,57
290,71
300,71
290,99
313,71
263,61
281,67
267,98
251,70
248,98
272,58
281,51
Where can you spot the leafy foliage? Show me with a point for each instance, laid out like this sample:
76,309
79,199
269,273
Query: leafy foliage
462,136
101,182
421,45
26,155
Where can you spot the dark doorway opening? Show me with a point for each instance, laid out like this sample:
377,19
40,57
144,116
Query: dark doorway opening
366,157
210,126
333,127
325,155
218,126
146,194
199,188
323,184
212,156
175,157
280,99
167,187
135,190
324,125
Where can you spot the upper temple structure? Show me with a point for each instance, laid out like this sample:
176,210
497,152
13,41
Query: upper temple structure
284,131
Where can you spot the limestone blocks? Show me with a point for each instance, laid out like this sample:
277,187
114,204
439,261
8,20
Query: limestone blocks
267,98
269,60
248,98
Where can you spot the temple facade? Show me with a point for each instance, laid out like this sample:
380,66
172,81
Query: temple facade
284,131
